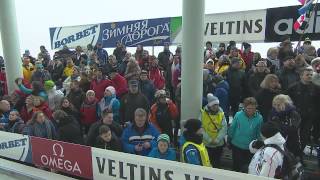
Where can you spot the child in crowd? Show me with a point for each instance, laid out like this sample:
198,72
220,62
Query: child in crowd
163,150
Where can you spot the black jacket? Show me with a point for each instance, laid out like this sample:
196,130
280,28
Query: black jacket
114,144
254,82
129,103
76,97
93,132
264,98
287,77
69,131
236,79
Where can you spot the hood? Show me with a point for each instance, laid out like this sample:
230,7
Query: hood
276,139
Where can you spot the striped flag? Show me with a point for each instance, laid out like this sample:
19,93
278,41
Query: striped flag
299,22
305,8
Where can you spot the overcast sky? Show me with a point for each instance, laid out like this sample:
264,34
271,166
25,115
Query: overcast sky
36,16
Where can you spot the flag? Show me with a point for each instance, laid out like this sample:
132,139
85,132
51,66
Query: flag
299,22
305,8
302,1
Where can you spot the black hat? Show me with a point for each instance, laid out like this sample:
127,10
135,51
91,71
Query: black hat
210,43
269,129
193,125
246,45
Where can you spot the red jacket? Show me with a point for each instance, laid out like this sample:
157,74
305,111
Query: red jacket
155,75
88,112
27,115
120,84
3,83
248,58
99,87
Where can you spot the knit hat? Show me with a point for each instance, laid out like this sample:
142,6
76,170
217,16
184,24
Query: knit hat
164,137
269,129
315,61
48,85
111,89
192,125
212,100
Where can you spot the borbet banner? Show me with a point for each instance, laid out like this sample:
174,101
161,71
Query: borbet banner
120,166
148,32
280,22
15,146
70,158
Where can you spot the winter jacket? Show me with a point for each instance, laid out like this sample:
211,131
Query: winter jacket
147,88
28,91
102,56
120,84
76,97
132,137
27,72
132,71
164,59
287,77
267,161
72,112
84,85
243,129
215,127
221,91
93,132
129,103
66,84
222,69
41,76
54,98
254,82
169,155
156,76
162,115
247,58
236,80
289,123
56,71
119,53
27,113
4,117
112,104
43,130
88,112
99,86
114,144
68,71
69,131
15,126
264,99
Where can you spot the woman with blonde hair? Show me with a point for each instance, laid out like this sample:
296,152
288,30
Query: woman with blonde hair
285,115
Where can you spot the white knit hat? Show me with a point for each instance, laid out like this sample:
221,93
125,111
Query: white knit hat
111,89
212,100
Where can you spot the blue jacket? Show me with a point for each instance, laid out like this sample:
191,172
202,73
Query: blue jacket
102,56
131,137
27,91
169,155
104,104
4,119
244,130
222,93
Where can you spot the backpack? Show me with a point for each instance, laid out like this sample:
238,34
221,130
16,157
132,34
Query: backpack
291,168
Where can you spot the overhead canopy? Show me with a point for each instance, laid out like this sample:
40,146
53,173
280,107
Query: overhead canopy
267,25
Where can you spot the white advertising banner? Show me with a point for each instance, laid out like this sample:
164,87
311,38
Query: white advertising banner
117,166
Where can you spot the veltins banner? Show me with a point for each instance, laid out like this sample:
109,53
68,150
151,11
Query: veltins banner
72,159
120,166
15,146
280,22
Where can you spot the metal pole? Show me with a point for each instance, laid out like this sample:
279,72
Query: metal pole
192,57
10,42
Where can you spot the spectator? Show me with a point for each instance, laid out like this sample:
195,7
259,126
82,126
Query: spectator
124,64
139,53
26,111
284,113
300,63
267,160
74,77
285,50
245,128
68,70
259,73
99,84
316,81
79,56
40,126
40,74
221,91
288,75
133,70
146,86
37,88
84,83
119,83
163,113
155,74
272,58
163,150
112,65
54,95
68,128
56,70
247,55
235,76
231,45
44,56
208,51
107,119
270,87
223,64
88,110
107,140
132,101
15,124
303,95
69,108
193,150
234,53
120,51
110,103
89,50
27,68
222,50
215,129
140,136
309,53
5,109
76,95
102,55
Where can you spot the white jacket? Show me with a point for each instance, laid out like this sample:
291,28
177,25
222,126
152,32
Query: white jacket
54,98
266,160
